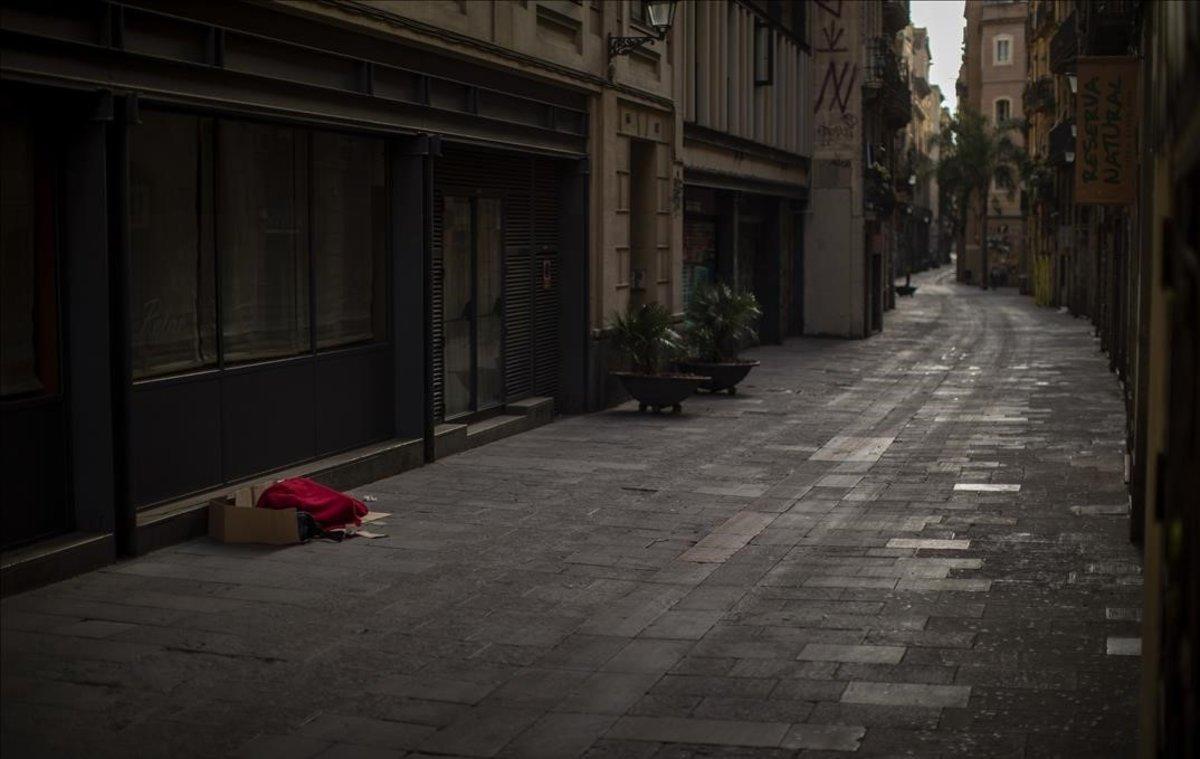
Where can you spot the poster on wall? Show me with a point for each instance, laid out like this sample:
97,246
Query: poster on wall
1106,109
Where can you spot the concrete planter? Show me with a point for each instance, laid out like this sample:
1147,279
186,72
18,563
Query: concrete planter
659,391
719,376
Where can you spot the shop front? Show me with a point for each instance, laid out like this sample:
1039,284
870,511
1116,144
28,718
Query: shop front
258,298
223,259
497,299
33,402
749,241
54,308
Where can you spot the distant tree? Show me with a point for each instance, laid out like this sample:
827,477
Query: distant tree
974,154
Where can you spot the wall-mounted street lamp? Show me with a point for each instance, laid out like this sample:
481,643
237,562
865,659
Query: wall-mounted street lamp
1073,83
660,15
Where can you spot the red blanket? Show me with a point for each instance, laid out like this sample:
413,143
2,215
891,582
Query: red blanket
331,509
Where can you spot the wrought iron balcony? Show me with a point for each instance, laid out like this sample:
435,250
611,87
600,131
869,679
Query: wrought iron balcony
885,83
1064,47
1040,19
1107,27
879,194
1038,95
1062,143
895,16
897,106
921,86
883,65
1040,183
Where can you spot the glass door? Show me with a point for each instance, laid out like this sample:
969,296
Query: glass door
489,246
456,303
33,444
472,314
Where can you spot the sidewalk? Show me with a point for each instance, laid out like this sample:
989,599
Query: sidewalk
913,544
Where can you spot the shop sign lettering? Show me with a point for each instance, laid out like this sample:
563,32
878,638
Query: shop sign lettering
1105,169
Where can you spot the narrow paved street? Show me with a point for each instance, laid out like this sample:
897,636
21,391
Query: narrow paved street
908,545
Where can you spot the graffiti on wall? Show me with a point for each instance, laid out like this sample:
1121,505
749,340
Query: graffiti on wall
836,77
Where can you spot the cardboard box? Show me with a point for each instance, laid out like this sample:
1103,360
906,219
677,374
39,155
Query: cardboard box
235,519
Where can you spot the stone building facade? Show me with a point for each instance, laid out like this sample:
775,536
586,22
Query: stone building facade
347,237
919,151
743,106
860,100
994,73
1129,262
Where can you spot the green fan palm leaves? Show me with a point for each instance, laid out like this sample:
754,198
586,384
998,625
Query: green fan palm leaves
974,156
646,334
719,321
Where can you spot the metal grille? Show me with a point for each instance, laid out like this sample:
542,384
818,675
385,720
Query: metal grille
546,274
545,356
528,188
437,333
518,323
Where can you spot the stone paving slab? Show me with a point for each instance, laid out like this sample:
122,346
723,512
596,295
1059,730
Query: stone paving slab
909,545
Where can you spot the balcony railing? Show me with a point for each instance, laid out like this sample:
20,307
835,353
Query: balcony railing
1039,184
1064,47
897,106
880,196
1039,95
1107,27
921,86
1062,142
886,83
1039,19
895,16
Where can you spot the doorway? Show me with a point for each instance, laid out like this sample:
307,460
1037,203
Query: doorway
473,313
34,499
643,223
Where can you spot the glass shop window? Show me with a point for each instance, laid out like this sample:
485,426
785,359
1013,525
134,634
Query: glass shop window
349,199
28,298
261,231
223,208
173,287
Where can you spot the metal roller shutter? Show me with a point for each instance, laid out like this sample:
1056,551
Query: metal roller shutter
518,323
437,333
528,187
546,307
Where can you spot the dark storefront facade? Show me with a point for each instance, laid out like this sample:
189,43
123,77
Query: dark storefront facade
751,241
496,282
258,296
228,252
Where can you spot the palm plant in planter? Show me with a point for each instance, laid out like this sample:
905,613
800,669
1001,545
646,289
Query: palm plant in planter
718,322
647,336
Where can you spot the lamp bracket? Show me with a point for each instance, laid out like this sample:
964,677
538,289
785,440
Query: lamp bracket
626,45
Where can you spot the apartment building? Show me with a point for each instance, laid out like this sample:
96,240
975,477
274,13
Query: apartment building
861,98
742,97
921,247
993,81
1113,238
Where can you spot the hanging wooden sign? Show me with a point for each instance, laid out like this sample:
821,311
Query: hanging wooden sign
1106,140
